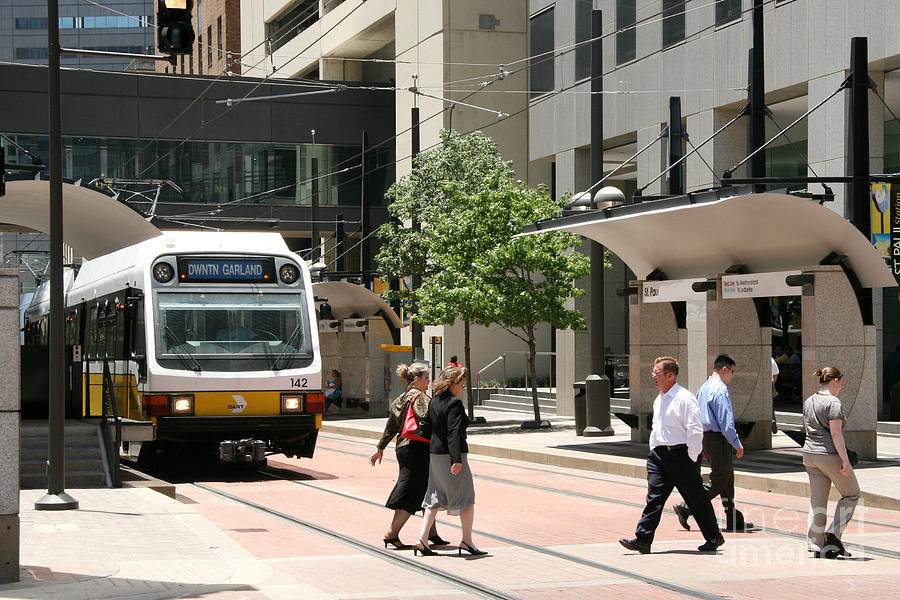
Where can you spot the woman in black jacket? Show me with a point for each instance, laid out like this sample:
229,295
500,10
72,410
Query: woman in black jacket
450,485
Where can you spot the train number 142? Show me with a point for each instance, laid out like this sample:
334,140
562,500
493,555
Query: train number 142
299,382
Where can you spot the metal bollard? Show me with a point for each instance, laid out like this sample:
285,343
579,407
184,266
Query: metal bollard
596,389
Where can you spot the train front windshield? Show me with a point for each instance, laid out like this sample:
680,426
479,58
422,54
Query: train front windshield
232,325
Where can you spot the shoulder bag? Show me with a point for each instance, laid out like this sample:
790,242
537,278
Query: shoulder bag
410,429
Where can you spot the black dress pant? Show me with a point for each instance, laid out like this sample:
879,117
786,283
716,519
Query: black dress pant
720,455
670,467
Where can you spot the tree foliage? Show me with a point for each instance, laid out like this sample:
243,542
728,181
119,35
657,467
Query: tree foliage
469,210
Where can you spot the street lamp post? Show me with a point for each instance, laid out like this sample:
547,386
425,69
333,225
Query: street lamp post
56,497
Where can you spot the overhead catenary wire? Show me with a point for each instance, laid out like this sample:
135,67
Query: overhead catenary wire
552,54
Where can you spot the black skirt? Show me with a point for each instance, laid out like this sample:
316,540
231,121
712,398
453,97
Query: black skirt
412,482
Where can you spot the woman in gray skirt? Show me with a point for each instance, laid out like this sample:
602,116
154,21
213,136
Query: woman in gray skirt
450,485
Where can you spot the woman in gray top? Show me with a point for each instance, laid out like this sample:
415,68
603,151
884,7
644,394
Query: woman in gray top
826,461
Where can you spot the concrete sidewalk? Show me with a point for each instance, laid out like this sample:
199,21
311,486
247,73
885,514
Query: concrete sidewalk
137,543
777,470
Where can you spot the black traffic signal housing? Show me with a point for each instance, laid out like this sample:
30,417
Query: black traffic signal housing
174,26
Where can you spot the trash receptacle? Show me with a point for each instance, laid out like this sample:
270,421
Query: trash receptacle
580,408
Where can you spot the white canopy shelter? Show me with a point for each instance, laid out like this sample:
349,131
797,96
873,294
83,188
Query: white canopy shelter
766,232
348,299
93,223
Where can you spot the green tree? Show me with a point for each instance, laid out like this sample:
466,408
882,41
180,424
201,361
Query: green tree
527,280
441,179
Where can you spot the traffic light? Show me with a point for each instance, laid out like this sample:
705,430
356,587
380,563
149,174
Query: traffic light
174,27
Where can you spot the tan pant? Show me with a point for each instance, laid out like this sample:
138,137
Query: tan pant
823,470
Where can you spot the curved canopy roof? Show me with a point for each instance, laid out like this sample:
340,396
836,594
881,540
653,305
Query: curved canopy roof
766,232
350,299
94,224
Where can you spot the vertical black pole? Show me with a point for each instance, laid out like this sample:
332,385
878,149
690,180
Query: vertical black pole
596,383
314,212
56,497
598,358
858,138
756,128
339,243
417,328
365,256
676,147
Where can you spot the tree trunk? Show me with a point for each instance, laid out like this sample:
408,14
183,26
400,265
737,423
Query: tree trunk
532,373
467,350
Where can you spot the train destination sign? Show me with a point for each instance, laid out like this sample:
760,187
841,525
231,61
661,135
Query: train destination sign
225,270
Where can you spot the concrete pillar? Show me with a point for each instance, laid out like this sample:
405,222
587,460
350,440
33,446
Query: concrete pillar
733,328
834,335
652,161
720,153
9,426
654,333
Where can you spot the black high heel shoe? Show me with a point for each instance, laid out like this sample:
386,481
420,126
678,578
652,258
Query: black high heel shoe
396,543
470,550
423,550
437,540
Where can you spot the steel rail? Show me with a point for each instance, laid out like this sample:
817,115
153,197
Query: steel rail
419,566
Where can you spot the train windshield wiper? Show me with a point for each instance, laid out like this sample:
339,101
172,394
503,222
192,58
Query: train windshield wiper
276,366
186,358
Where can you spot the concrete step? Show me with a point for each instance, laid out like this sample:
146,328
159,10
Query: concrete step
520,403
83,458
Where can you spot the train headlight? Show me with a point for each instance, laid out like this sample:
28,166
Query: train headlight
289,273
291,403
163,272
182,405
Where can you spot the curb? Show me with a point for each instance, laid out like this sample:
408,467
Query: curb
627,467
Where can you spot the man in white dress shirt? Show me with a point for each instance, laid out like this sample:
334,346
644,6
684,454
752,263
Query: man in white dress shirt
676,441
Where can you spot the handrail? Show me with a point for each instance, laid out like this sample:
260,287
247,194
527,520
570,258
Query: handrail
111,445
482,370
502,357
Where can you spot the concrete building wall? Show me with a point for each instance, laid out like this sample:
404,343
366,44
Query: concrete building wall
9,427
807,55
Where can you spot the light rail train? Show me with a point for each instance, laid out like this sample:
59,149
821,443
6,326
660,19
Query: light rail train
210,339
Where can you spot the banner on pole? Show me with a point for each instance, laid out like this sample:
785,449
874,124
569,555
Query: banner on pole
886,224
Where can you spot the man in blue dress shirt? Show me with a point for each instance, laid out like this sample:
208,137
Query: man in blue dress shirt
720,441
676,440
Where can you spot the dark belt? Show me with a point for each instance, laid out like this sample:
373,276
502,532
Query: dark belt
675,447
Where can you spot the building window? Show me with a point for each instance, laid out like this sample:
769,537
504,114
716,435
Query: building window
626,33
727,10
583,10
673,22
209,44
219,31
541,51
292,23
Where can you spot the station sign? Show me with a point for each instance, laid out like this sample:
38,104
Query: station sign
675,290
758,285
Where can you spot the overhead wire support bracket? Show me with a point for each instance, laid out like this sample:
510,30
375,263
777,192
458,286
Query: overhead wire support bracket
683,158
728,172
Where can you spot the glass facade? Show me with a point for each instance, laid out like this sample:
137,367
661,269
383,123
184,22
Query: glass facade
216,172
541,68
626,38
583,10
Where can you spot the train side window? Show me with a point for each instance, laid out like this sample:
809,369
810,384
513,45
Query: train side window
73,327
